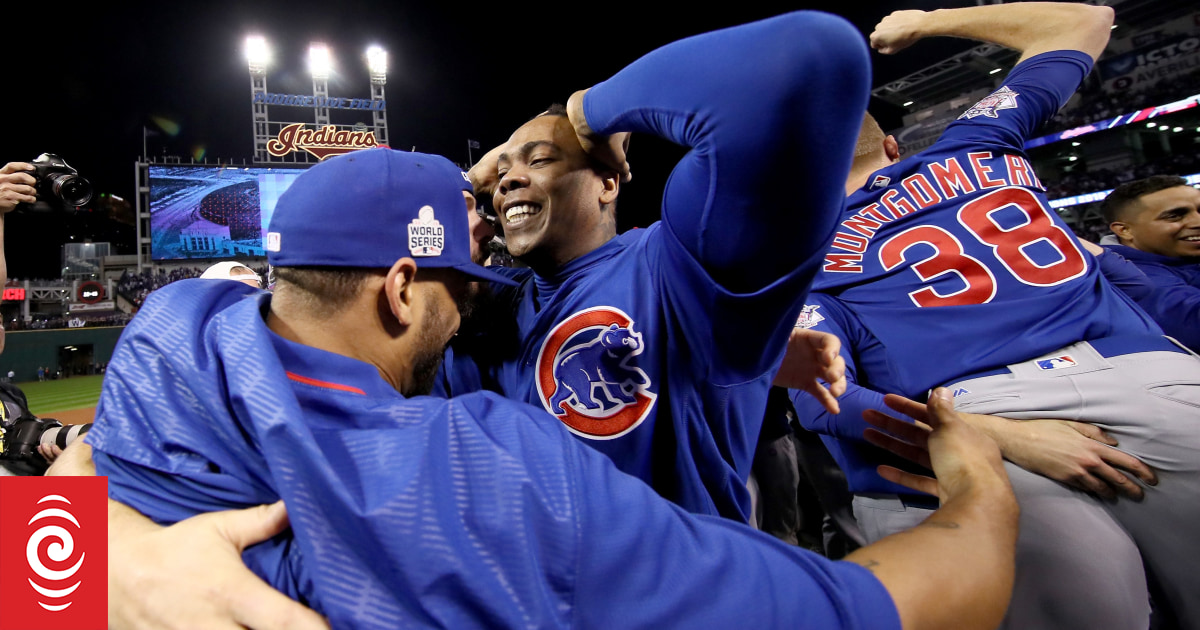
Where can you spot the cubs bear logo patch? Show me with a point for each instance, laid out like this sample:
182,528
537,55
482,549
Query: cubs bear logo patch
588,377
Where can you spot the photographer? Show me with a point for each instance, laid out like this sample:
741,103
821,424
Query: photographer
17,425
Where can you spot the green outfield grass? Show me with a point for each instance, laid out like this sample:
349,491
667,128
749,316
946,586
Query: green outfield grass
48,397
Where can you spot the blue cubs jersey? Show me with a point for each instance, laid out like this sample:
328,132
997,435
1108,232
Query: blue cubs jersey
474,512
658,348
953,257
1168,288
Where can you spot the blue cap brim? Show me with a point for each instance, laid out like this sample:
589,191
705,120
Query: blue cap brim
482,273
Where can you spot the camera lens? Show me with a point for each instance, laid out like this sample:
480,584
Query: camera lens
73,190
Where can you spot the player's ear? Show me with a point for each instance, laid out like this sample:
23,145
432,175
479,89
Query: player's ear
612,187
892,149
400,292
1121,229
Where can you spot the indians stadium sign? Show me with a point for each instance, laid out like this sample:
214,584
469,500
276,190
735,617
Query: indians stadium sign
321,143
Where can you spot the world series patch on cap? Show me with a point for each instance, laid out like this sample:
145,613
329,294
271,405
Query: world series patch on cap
53,553
373,207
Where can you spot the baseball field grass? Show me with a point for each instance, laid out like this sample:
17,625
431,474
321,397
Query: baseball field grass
70,400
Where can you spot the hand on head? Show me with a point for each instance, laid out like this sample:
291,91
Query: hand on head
611,151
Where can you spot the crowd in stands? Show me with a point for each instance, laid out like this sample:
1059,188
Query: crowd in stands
136,286
75,321
1082,181
1096,104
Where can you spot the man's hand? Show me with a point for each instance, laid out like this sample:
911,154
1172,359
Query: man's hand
611,151
1074,453
190,575
811,357
16,186
897,31
484,174
74,461
962,457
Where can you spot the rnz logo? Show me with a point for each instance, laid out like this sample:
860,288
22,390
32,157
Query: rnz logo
50,520
53,553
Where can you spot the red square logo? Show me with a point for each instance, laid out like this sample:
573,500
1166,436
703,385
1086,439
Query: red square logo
53,553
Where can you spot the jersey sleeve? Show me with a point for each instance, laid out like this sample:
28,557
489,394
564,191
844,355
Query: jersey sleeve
769,112
1031,94
1168,299
644,562
842,432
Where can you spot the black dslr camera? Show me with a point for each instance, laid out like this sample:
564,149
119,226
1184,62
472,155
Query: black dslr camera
57,181
20,438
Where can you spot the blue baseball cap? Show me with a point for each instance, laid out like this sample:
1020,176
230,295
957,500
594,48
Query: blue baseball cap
373,207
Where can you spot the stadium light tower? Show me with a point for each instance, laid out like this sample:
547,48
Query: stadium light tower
377,62
320,65
258,56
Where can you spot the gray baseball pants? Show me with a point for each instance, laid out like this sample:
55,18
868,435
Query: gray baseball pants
1080,559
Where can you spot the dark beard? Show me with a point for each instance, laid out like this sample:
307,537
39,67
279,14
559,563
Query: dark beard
428,358
425,370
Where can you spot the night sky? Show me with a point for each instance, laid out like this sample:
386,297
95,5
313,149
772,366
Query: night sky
84,83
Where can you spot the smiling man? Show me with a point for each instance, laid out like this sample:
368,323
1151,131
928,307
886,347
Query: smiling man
1157,221
657,347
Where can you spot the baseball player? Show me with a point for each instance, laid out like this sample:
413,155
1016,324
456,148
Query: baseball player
949,268
473,512
1157,223
658,346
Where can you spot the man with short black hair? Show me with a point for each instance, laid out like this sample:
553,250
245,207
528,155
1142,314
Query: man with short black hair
1156,222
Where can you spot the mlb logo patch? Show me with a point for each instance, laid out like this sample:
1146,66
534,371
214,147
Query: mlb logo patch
880,181
272,241
961,391
1057,363
54,553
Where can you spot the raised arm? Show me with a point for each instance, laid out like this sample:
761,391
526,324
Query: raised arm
1029,27
770,111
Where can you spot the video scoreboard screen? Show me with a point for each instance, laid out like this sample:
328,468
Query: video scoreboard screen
213,212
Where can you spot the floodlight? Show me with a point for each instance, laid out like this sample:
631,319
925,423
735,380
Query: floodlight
377,60
1177,129
257,53
996,70
1151,124
320,61
907,104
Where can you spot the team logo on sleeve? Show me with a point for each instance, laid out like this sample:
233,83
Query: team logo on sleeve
588,377
1003,98
809,316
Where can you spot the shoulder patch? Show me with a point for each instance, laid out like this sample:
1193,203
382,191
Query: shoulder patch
1003,98
809,316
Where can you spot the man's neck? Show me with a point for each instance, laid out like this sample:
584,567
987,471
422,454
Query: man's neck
343,337
862,169
548,265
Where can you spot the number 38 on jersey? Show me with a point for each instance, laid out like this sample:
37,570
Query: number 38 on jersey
1018,229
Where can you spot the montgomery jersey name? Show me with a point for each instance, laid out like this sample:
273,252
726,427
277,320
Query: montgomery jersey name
933,183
